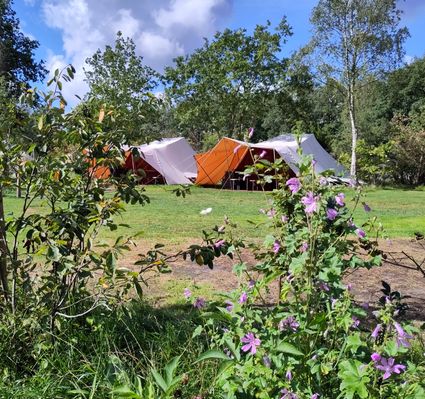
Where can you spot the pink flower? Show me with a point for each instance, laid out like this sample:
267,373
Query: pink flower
290,323
366,207
271,213
251,343
199,303
250,132
263,154
360,233
284,218
288,375
376,331
356,322
304,247
287,394
251,284
187,294
339,199
276,247
331,213
315,396
310,202
323,181
229,306
243,298
388,367
403,337
376,357
219,243
294,185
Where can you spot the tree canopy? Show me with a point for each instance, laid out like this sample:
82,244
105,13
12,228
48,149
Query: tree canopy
356,39
118,76
17,61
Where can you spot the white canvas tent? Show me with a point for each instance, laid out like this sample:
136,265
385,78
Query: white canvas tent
286,146
173,158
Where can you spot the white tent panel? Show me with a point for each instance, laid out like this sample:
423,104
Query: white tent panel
174,158
286,146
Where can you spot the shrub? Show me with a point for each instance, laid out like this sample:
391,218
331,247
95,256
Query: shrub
315,342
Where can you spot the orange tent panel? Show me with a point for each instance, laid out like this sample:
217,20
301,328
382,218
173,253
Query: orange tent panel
224,157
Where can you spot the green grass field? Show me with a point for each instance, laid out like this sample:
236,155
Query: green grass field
174,220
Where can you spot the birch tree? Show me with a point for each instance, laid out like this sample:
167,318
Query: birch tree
354,40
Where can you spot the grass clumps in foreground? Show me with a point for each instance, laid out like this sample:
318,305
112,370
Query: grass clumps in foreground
97,355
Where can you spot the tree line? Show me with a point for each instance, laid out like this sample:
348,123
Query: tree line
348,85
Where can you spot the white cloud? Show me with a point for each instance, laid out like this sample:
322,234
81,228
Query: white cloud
30,3
126,23
157,47
189,14
161,29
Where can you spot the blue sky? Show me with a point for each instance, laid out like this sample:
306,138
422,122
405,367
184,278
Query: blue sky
69,31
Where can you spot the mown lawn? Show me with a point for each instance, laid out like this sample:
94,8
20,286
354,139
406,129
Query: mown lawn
174,220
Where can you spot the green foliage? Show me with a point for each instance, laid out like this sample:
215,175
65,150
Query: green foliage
313,339
352,42
117,76
223,87
17,63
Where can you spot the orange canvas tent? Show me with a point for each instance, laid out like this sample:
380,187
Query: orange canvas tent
223,158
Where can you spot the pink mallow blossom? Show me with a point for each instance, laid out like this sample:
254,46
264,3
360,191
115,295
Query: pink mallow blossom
331,213
376,331
229,306
243,298
294,185
251,343
366,207
187,293
290,323
310,202
236,149
360,233
402,336
199,303
388,367
304,247
219,243
339,199
276,246
287,394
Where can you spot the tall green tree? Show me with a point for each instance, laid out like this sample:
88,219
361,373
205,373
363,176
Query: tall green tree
355,40
17,67
225,86
118,77
17,62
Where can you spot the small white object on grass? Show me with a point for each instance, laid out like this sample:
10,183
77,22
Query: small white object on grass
206,211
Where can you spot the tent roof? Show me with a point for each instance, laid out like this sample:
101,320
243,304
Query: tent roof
228,153
286,146
173,158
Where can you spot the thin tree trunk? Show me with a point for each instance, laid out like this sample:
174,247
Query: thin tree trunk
352,113
3,249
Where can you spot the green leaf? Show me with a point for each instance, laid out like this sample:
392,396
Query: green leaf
212,354
170,368
286,347
159,380
198,331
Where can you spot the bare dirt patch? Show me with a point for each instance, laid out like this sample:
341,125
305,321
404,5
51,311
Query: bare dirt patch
366,284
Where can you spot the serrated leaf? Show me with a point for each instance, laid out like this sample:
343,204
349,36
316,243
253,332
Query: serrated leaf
286,347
